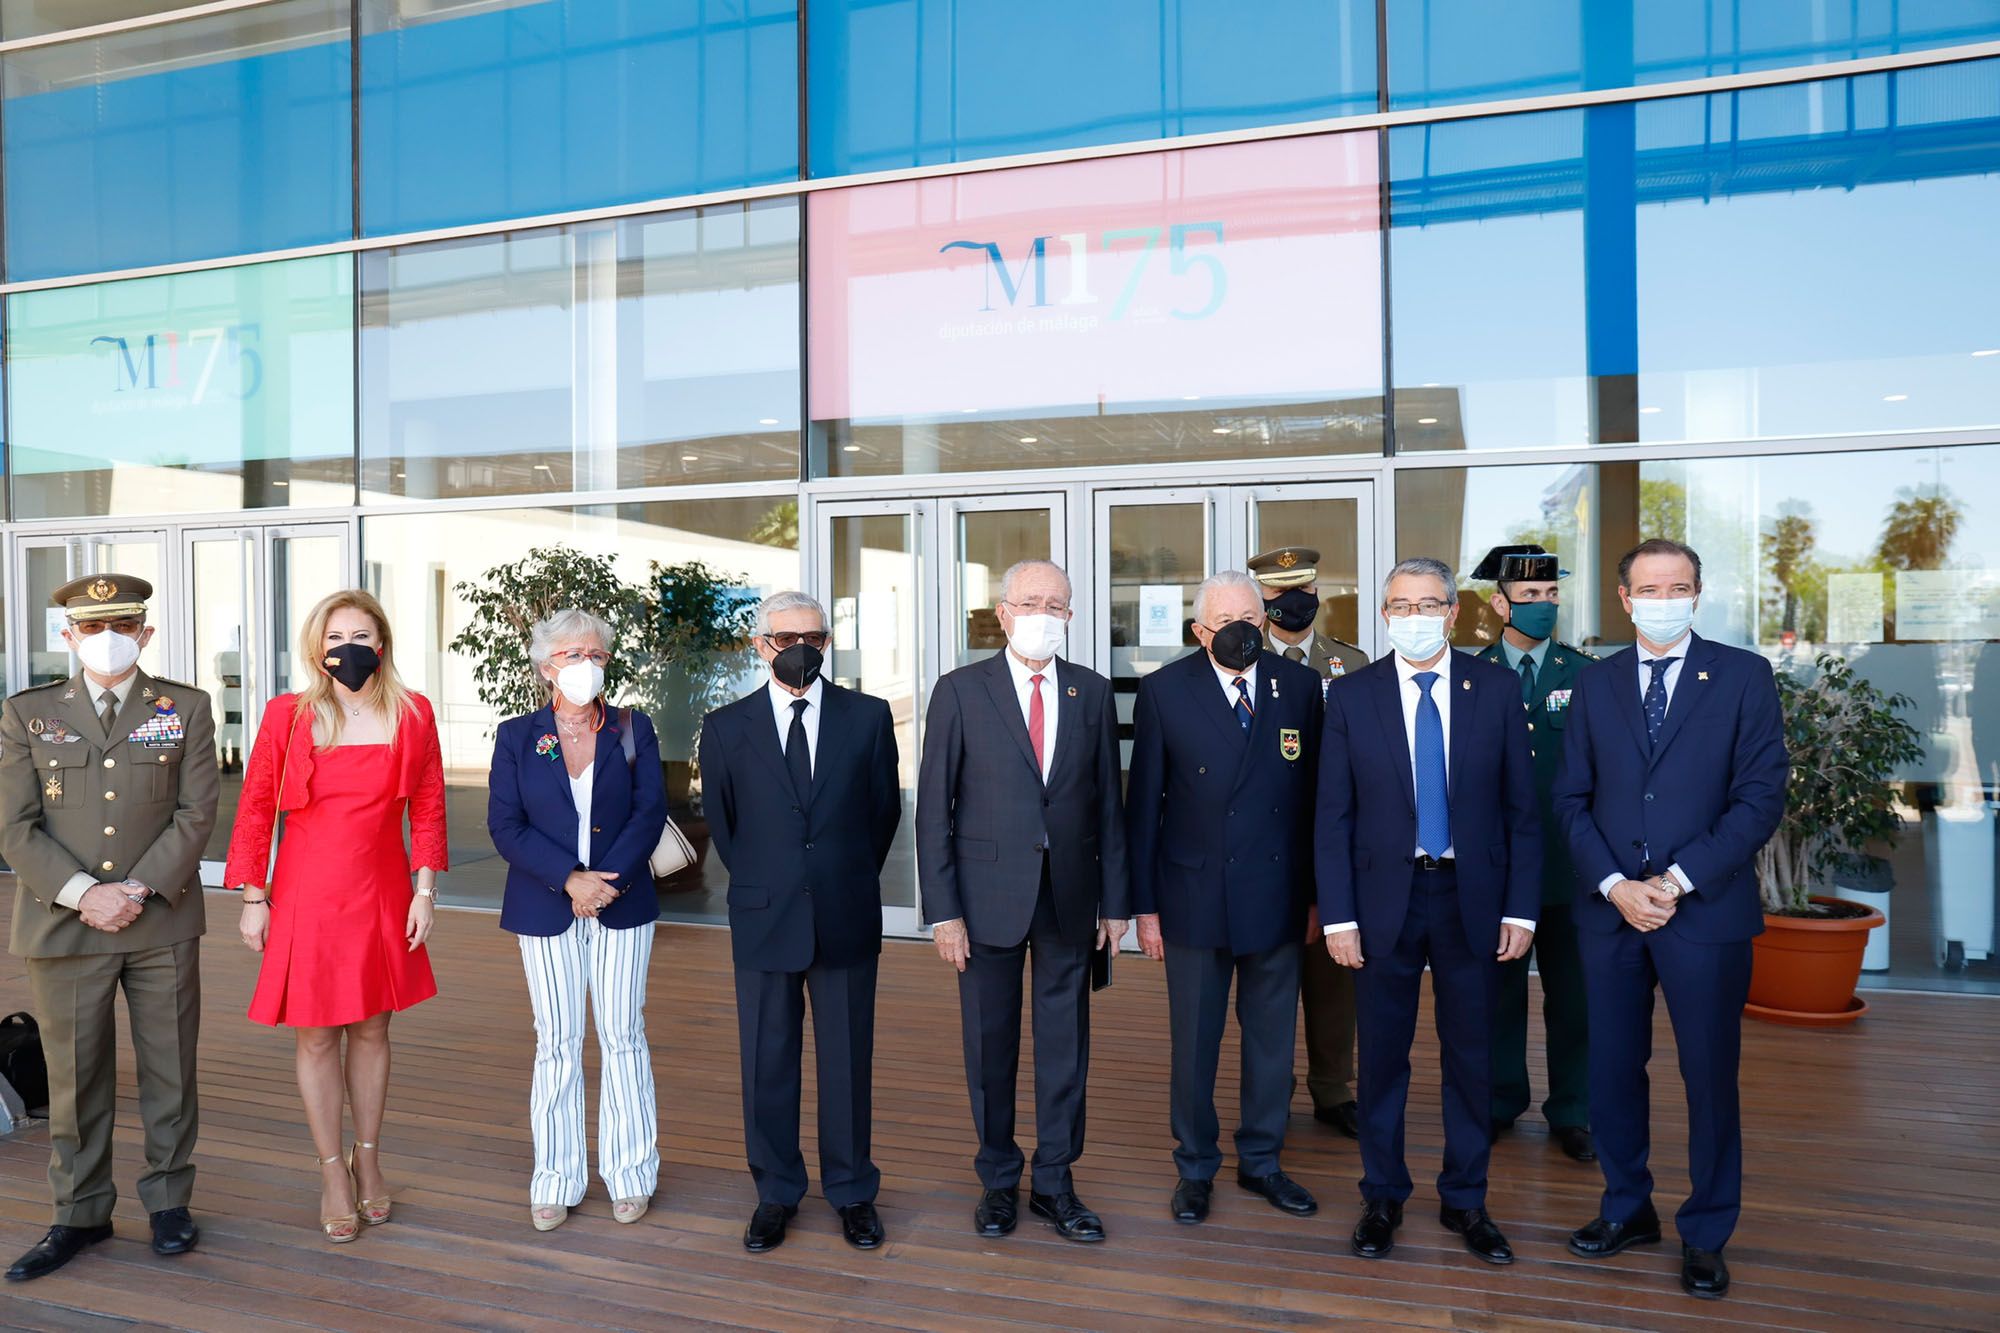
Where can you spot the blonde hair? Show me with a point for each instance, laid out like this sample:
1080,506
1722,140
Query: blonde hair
384,692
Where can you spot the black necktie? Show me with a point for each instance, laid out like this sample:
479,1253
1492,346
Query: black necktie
1527,680
798,758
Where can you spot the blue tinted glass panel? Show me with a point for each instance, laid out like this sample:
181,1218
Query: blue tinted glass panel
1799,260
475,112
1447,51
224,389
902,83
217,136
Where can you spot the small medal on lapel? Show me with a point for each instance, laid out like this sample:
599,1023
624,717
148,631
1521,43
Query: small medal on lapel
69,693
35,726
1288,742
1465,684
163,706
146,692
1274,687
1071,691
1701,675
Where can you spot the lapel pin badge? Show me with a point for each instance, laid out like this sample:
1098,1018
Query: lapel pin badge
1071,691
70,693
1701,675
146,693
1465,684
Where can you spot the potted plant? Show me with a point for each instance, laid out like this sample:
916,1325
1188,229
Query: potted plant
505,602
1846,742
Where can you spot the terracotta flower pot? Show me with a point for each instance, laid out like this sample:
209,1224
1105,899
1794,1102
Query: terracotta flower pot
1805,969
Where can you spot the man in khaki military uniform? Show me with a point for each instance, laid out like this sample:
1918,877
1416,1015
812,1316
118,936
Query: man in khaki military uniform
108,786
1290,579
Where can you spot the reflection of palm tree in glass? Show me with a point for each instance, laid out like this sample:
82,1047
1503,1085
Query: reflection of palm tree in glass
1920,528
1788,548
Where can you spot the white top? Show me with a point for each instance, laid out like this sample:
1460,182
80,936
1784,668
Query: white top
1411,692
1024,689
1229,679
579,791
1675,657
781,712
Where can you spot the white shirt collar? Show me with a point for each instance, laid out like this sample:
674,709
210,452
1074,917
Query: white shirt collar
1678,649
1228,679
1406,672
123,689
782,698
1021,671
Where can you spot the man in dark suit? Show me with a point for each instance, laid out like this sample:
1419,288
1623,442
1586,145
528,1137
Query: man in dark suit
1021,852
1428,850
1673,776
1289,577
799,783
1527,600
1218,818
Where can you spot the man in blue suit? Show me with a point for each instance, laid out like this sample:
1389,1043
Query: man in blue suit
799,783
1428,849
1673,776
1218,819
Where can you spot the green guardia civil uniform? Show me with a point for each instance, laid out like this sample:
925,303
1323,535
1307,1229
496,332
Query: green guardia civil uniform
128,802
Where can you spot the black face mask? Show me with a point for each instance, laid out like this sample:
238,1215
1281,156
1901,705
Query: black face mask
797,666
352,664
1236,645
1293,610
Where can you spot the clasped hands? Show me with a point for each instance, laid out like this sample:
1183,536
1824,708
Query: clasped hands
1647,904
108,907
590,891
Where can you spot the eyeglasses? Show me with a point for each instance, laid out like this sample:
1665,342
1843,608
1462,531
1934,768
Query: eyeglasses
128,627
1040,607
1430,606
812,638
570,657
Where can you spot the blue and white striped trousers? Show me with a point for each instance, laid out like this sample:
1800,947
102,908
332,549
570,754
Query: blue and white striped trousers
608,969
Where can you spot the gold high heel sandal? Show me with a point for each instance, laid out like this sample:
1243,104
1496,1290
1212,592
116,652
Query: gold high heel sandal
342,1227
373,1212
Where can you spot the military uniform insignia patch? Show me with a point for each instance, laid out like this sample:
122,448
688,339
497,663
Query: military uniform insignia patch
52,789
1555,701
1288,742
35,726
103,590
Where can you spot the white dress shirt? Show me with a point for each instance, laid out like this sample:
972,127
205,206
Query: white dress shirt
1024,691
71,893
1676,657
1229,678
580,788
1411,693
782,700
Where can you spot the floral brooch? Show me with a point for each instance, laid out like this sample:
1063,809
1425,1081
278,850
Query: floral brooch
546,746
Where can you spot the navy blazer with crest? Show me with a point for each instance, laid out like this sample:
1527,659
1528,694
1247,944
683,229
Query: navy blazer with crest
1366,834
533,821
986,821
1218,821
805,877
1708,795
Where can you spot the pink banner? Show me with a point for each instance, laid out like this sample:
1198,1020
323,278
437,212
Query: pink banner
1244,272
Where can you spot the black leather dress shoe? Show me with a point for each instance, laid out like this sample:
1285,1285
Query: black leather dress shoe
174,1232
1703,1273
1345,1117
766,1231
1575,1142
1281,1192
996,1212
1067,1214
52,1251
1191,1200
861,1225
1375,1233
1603,1238
1482,1237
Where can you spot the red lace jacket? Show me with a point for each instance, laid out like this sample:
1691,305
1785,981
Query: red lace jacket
419,780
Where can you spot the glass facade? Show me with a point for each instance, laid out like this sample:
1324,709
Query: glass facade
396,291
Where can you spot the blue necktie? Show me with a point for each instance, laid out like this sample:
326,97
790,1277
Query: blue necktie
1433,799
1527,680
1243,714
1656,698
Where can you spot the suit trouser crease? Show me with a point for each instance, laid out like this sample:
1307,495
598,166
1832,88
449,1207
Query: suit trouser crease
1387,991
76,1003
1565,1027
1705,987
1327,991
990,1019
1267,986
590,964
770,1010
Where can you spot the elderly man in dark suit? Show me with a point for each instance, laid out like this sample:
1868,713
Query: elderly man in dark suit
799,782
1429,851
1673,776
1021,856
1225,747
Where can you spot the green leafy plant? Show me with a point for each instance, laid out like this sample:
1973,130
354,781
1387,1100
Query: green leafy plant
690,644
506,601
1846,741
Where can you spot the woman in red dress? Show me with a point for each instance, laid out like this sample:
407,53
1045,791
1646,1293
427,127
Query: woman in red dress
341,931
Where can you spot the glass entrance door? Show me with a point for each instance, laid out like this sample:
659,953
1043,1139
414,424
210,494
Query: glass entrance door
911,586
43,564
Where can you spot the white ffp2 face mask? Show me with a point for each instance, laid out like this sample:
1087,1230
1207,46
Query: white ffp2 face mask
108,652
1037,638
580,682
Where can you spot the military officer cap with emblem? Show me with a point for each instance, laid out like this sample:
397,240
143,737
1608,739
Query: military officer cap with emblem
1518,564
1286,567
102,597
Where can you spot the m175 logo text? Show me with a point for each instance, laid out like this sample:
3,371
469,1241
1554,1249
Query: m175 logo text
1194,268
217,362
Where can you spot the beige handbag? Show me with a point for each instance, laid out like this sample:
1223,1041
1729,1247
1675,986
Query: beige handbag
673,853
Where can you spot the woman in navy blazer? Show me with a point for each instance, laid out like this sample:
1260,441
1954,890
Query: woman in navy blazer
575,807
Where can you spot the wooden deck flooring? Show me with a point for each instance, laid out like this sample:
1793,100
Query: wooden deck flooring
1873,1159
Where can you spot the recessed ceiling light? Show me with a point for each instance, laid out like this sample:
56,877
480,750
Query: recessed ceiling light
1190,397
968,409
544,467
1895,398
690,458
767,421
850,448
281,483
1988,351
401,475
1427,421
1430,384
1648,411
1029,439
1218,430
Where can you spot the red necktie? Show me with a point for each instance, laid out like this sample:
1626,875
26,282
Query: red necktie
1035,722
